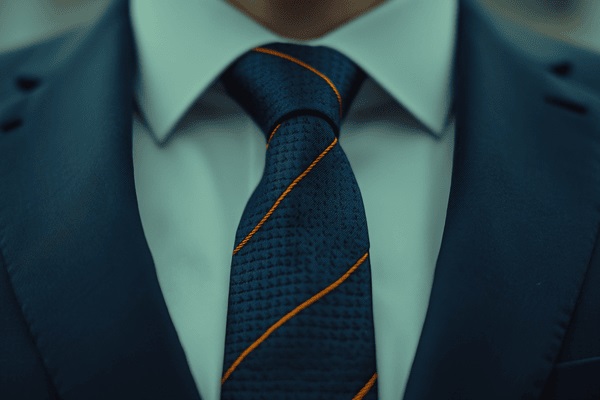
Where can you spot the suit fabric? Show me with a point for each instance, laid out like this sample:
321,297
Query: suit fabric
514,311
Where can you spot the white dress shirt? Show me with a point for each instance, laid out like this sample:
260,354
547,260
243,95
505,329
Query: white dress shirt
198,157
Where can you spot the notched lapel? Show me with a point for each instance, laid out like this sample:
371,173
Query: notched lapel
522,219
69,226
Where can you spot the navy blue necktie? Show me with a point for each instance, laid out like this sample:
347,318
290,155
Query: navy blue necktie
300,320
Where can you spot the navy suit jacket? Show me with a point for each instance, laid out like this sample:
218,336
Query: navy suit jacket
515,306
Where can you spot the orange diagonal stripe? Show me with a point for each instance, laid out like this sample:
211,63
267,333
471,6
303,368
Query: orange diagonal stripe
291,314
305,65
272,134
363,392
282,196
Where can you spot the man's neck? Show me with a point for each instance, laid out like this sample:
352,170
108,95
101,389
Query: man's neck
304,19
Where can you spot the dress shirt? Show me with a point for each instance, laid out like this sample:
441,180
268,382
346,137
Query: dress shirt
198,157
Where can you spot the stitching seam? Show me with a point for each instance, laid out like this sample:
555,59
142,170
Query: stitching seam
50,379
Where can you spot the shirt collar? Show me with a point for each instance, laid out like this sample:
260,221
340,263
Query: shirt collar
406,46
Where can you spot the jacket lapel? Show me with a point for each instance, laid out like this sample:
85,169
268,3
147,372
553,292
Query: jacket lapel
522,218
70,230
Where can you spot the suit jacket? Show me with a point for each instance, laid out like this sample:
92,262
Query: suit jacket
515,305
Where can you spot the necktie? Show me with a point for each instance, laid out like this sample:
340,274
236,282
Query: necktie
300,323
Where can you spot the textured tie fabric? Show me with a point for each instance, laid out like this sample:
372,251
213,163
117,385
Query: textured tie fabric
300,320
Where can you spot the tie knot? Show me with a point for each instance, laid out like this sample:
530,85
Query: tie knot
279,81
